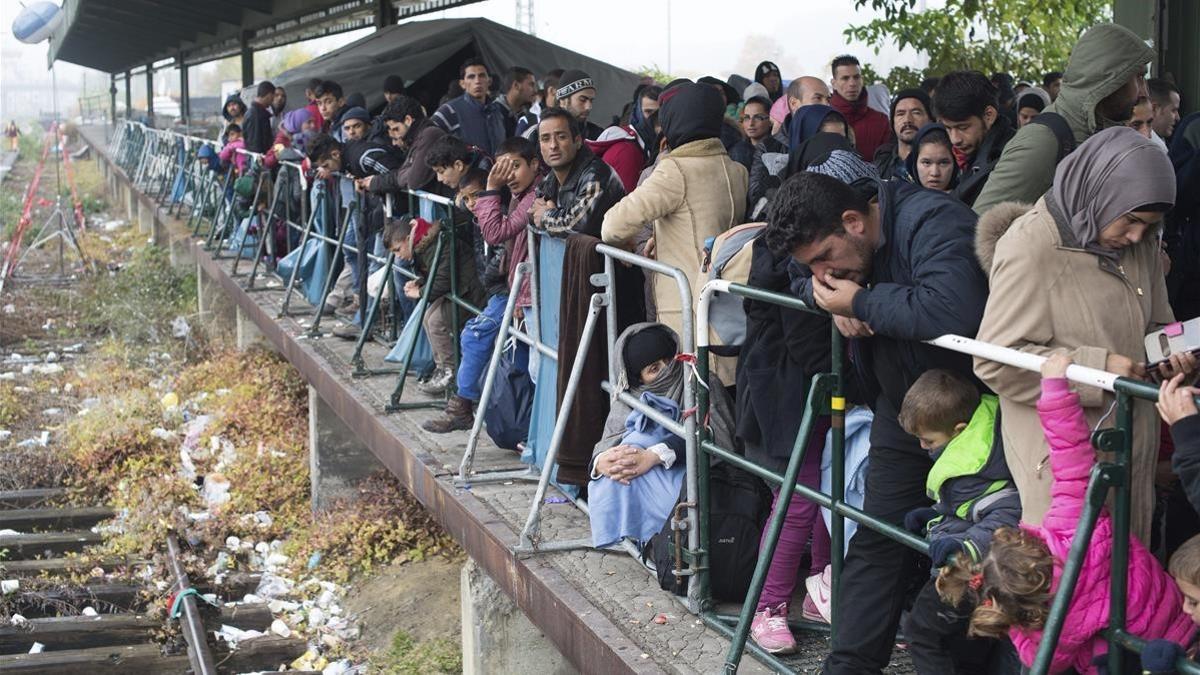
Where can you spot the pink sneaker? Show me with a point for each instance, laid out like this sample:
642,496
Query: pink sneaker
809,611
770,630
820,595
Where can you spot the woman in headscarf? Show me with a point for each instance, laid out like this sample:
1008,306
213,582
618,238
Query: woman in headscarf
638,466
1030,103
1079,272
694,193
769,169
295,130
931,162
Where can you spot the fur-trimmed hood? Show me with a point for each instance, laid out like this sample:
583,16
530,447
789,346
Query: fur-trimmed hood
992,225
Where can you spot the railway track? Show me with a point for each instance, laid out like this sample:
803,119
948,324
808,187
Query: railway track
111,623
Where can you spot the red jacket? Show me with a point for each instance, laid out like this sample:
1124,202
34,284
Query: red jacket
620,149
871,127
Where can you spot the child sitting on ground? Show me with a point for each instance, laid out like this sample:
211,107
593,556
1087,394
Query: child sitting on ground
974,495
1012,588
638,466
515,170
229,153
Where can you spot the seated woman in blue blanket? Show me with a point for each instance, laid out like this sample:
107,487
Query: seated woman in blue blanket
638,466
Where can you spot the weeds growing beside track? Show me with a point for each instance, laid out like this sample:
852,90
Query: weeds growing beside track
142,413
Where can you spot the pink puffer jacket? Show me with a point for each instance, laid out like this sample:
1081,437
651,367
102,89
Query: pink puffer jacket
1155,604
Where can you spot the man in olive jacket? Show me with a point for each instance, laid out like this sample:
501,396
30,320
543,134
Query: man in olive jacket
1103,80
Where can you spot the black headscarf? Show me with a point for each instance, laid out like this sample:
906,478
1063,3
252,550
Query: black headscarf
815,150
690,112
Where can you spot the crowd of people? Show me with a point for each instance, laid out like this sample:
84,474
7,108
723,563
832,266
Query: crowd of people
1055,217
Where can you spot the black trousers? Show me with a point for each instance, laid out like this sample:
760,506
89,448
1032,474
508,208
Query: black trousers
937,637
878,570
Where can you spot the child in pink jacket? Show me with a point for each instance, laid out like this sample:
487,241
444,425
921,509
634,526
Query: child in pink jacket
1016,582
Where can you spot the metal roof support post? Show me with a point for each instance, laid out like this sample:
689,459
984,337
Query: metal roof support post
247,59
385,14
185,96
128,98
112,95
150,94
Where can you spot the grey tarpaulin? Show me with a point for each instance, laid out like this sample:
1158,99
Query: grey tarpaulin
427,55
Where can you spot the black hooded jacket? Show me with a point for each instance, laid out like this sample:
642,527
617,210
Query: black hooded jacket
784,349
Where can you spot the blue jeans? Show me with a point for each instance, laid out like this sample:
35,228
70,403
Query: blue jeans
478,338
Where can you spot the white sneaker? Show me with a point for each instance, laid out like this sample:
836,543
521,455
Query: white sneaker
820,591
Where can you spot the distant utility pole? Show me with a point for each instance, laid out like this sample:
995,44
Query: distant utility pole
525,21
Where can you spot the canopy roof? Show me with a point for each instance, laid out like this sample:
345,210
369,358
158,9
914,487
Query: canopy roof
118,35
427,54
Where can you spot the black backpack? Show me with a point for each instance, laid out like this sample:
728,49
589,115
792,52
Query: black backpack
1062,132
739,504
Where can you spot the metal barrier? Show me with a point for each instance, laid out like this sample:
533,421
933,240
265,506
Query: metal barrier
146,156
1105,475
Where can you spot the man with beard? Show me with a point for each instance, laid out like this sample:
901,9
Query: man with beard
967,105
580,187
894,269
910,112
1104,78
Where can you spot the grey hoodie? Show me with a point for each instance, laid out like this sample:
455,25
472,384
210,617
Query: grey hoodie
1105,57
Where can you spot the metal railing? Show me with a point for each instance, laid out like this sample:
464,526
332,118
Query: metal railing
157,161
825,397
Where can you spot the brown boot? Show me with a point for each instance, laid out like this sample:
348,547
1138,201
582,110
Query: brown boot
457,416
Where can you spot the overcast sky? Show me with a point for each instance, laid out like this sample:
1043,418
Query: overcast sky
707,37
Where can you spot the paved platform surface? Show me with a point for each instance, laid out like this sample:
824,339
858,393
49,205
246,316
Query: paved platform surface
597,606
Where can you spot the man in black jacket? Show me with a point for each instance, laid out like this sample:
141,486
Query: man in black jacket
256,128
580,187
966,103
894,270
911,110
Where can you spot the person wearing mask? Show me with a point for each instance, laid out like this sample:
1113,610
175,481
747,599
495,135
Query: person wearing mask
1164,97
580,188
801,91
471,116
1081,274
256,127
910,112
931,162
696,192
756,124
645,107
518,91
897,267
767,74
967,106
871,127
1030,103
1104,78
1052,84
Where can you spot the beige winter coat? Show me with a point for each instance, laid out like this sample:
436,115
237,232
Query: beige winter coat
694,193
1044,297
